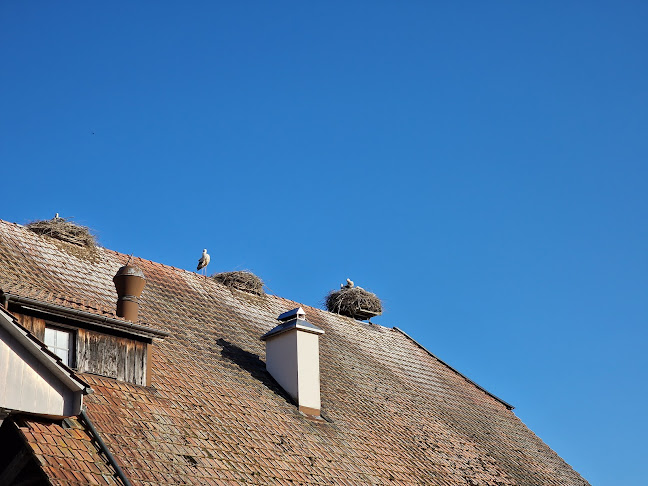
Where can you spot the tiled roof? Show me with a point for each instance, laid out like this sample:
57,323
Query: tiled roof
68,455
394,413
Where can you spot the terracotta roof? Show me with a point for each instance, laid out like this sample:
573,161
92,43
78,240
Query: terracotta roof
67,454
395,414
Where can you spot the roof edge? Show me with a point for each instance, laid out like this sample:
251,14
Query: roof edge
104,448
42,354
506,404
88,317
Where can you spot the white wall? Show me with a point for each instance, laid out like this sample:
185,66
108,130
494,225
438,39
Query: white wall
28,386
292,358
281,361
308,369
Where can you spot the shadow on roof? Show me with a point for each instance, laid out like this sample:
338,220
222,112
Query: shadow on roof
251,363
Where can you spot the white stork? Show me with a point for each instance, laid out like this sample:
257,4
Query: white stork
204,261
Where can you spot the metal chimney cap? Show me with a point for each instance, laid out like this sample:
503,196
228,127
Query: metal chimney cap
298,324
297,313
130,270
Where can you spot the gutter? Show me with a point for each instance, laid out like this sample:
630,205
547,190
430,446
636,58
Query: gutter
84,316
507,405
103,448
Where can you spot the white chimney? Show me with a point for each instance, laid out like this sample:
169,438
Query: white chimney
292,358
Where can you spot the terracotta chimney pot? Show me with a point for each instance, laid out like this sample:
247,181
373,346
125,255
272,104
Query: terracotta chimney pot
129,282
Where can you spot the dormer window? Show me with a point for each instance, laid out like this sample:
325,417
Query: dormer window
61,343
87,342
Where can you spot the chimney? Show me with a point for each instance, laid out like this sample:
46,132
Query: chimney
129,283
292,358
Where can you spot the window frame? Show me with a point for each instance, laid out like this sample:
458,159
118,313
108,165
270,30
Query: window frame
72,342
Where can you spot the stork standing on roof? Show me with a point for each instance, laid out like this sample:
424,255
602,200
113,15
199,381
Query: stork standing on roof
204,261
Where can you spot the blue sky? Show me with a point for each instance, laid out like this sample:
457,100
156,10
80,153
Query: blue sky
481,166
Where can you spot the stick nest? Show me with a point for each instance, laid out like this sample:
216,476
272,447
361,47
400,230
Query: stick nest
354,302
61,229
71,237
241,280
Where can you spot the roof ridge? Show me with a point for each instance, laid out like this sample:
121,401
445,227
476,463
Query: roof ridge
118,257
208,278
13,223
189,272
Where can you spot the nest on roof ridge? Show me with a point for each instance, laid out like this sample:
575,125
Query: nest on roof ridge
64,230
241,280
354,302
73,238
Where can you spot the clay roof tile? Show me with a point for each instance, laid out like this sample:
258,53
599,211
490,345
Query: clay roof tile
395,414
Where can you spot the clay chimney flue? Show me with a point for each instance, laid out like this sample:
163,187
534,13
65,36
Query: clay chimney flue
129,283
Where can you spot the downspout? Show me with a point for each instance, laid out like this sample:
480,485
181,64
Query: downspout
104,448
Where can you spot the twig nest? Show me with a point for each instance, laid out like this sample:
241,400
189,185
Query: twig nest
354,302
241,280
72,238
63,230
